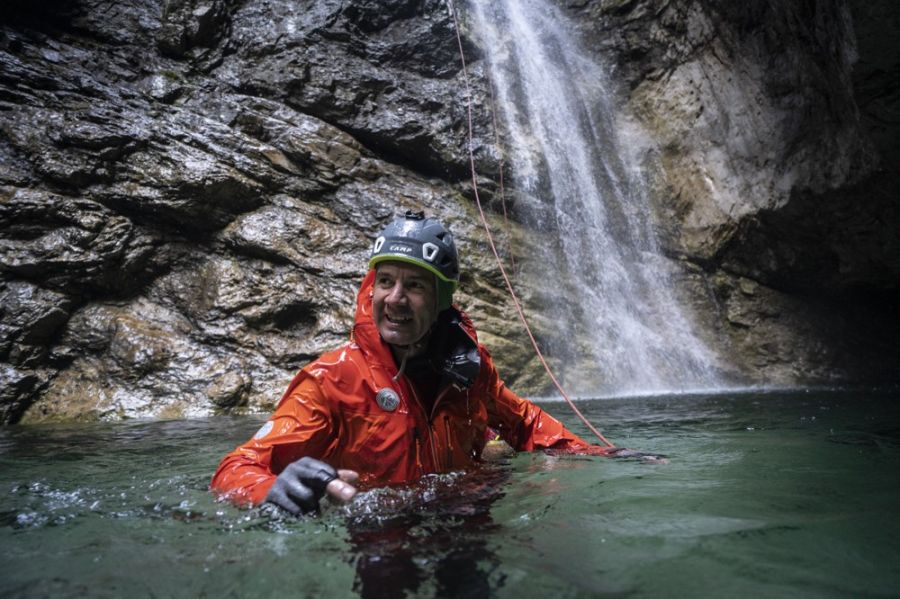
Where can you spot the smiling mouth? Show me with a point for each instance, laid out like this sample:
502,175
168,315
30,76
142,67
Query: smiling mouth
398,319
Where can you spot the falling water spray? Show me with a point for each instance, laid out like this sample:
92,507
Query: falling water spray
603,279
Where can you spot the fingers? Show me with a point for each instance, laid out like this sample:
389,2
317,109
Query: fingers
302,483
314,473
340,488
295,499
350,476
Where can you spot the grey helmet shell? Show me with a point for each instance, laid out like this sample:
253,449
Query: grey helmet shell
424,242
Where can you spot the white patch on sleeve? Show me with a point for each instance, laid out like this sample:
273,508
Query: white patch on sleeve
264,430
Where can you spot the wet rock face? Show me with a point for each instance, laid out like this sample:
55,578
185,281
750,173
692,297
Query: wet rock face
773,145
189,188
747,104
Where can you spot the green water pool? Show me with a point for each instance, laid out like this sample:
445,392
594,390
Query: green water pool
768,494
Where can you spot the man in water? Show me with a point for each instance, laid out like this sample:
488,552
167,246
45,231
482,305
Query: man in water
412,393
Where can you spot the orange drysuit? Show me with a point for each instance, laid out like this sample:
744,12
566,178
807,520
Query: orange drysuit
330,412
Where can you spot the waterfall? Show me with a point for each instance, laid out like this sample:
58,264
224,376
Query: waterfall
604,283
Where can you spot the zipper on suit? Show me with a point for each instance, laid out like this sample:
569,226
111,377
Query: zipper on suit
431,444
448,458
449,444
418,441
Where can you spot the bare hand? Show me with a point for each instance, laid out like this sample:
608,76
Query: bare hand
340,488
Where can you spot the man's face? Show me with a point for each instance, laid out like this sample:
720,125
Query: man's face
404,304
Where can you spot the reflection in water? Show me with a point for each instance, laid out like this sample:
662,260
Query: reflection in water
433,532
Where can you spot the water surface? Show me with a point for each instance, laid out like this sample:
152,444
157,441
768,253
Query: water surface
774,494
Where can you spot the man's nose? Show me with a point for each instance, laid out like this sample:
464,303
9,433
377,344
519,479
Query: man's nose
397,294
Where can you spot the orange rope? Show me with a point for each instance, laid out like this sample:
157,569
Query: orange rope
490,238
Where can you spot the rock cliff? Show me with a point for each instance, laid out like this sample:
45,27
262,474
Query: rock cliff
772,131
189,188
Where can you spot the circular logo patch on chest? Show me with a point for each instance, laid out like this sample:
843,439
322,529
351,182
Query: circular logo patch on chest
387,399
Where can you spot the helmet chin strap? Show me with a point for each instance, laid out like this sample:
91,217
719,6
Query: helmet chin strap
417,346
408,350
412,349
402,364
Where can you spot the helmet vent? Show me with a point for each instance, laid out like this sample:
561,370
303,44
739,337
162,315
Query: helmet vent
429,251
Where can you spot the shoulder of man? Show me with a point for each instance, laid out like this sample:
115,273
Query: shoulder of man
337,362
335,368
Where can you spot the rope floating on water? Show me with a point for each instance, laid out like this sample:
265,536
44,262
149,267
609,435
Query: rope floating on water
451,6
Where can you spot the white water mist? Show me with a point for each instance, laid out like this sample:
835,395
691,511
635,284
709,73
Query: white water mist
603,278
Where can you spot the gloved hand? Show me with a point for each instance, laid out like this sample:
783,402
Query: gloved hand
302,484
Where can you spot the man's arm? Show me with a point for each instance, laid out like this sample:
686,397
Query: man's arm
525,426
302,426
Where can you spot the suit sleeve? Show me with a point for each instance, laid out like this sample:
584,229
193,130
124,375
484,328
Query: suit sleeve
525,426
302,425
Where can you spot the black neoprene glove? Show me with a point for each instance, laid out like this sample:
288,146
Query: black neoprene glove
301,485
